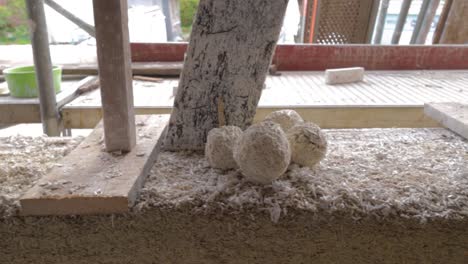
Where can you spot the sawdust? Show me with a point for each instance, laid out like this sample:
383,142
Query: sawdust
23,160
190,213
418,174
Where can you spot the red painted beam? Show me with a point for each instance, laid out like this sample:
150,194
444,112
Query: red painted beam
321,57
142,52
371,57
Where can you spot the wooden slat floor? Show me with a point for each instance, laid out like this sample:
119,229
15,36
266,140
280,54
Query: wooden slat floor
308,89
383,99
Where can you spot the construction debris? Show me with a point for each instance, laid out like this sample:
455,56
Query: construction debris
344,75
391,174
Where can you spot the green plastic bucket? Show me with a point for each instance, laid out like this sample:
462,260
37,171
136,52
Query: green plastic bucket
22,81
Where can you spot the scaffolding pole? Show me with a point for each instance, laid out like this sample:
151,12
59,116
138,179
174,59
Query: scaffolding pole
405,6
419,21
43,66
427,21
381,22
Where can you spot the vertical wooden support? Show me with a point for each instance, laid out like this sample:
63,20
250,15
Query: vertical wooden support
113,49
43,67
405,6
456,28
303,21
442,22
314,20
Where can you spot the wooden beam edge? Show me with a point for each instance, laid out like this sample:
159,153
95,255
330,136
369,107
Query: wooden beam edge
37,202
440,112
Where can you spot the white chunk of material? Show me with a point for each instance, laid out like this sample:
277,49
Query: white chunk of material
344,75
285,118
308,144
263,153
219,147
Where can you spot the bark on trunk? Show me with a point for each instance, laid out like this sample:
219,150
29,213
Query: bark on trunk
230,50
456,27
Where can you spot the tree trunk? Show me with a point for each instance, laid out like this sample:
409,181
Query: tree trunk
456,27
230,50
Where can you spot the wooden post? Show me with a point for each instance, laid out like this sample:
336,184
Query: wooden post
43,67
113,49
442,22
228,57
456,28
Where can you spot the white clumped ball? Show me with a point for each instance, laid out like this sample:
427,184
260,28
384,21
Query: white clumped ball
285,118
308,144
219,147
263,153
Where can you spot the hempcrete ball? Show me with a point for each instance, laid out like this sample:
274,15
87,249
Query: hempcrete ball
263,153
308,144
285,118
219,147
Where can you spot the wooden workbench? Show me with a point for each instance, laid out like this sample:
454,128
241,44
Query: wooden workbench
384,99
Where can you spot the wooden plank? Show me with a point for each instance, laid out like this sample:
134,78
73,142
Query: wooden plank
89,117
26,110
138,68
371,57
358,117
115,75
68,95
19,113
303,57
92,181
453,116
325,116
442,22
147,79
161,52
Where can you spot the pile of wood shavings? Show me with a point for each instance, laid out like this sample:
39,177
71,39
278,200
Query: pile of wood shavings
380,173
23,160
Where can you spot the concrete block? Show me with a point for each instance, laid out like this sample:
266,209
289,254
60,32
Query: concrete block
453,116
344,75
